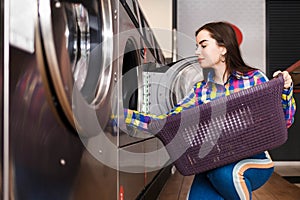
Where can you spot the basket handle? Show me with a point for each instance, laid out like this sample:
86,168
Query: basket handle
280,76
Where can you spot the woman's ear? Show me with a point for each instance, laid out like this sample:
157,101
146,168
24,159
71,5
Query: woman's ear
223,50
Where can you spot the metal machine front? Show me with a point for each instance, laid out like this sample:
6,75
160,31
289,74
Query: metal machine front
71,79
90,60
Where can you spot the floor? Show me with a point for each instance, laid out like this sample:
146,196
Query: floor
290,171
277,188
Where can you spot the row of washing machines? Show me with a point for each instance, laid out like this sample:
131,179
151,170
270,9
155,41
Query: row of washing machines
63,99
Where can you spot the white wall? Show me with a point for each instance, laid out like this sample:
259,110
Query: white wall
248,15
159,16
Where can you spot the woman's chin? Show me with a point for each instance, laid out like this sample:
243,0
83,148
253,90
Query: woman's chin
204,66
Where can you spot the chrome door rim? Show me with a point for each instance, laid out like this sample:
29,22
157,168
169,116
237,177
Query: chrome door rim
64,96
170,79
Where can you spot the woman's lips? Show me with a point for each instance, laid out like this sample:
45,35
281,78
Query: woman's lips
200,59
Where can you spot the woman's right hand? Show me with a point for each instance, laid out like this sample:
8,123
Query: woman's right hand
286,77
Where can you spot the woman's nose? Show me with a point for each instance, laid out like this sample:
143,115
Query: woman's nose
198,50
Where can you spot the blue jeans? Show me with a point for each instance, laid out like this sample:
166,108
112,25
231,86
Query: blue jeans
235,181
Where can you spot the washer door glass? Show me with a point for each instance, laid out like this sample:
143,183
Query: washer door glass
174,84
78,46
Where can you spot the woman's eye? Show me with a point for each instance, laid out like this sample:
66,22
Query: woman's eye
202,46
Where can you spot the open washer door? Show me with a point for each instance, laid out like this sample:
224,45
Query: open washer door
169,84
75,55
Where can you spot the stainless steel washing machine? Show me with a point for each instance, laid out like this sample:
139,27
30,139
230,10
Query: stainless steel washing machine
74,78
90,60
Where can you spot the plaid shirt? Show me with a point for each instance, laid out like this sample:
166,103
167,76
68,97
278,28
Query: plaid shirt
205,91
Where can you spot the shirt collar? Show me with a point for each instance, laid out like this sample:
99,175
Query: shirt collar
246,75
235,74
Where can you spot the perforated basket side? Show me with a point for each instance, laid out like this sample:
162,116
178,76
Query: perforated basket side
199,140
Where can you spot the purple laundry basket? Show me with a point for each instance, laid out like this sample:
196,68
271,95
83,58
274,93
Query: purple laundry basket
225,130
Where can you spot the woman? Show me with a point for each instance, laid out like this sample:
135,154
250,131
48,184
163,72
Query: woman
217,48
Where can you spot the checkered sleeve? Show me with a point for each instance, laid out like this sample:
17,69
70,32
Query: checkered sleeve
289,105
141,120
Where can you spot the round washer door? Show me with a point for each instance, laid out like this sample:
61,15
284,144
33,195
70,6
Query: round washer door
77,52
168,88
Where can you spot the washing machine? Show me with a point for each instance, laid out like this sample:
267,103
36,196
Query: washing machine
66,98
67,94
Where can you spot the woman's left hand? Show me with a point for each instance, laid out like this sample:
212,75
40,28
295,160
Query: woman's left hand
287,78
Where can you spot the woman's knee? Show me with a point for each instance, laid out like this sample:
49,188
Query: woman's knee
221,175
258,177
223,181
202,189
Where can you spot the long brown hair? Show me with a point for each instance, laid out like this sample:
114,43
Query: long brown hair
225,36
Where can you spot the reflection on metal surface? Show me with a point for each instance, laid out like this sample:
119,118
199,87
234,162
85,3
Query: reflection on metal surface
5,151
21,29
45,156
